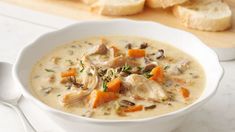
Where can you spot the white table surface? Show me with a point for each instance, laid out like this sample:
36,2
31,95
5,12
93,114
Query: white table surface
19,26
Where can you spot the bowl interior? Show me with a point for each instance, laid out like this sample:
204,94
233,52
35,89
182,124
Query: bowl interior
180,39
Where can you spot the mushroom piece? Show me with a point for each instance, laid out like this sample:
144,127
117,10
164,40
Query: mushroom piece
150,66
100,49
46,90
145,88
144,45
126,103
128,46
180,67
160,54
183,65
150,107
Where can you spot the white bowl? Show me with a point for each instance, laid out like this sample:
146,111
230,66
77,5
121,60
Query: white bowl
164,123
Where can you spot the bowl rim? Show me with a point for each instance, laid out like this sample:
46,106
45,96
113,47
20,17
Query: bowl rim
44,106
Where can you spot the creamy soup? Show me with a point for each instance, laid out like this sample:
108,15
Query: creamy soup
117,77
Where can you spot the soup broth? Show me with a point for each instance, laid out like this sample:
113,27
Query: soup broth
117,77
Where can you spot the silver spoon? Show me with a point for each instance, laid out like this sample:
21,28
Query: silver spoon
10,96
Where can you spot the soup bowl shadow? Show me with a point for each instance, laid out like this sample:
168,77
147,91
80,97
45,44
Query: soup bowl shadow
182,40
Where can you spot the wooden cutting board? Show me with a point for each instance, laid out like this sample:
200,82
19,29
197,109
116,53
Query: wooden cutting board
76,10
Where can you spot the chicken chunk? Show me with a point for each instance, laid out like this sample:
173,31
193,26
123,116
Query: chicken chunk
116,62
145,88
89,76
74,97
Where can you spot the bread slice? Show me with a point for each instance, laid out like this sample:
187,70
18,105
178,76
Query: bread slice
118,7
163,3
89,2
207,15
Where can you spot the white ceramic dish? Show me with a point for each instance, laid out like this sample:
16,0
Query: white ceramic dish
180,39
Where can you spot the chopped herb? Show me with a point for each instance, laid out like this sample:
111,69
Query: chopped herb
69,87
70,52
111,73
90,43
147,74
140,68
58,95
37,76
55,60
105,87
126,68
70,62
166,67
170,104
49,70
81,63
152,54
46,90
89,74
177,85
73,46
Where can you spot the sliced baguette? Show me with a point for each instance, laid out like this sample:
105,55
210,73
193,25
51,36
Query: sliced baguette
163,3
118,7
89,2
206,15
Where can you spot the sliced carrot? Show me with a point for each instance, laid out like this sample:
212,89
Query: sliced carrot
133,108
98,98
114,85
157,74
136,53
70,72
185,92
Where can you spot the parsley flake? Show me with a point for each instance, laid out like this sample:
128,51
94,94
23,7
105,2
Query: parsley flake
81,63
105,87
49,70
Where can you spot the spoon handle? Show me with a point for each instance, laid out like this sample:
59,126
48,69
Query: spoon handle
27,125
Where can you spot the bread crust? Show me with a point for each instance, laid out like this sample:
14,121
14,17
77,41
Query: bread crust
104,7
89,2
163,3
191,15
